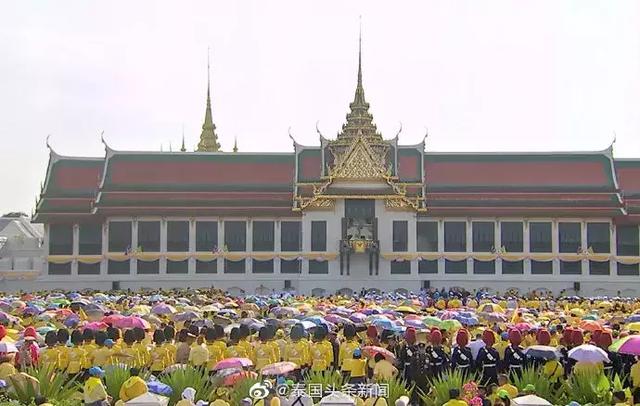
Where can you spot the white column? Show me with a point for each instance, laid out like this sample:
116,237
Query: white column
248,262
584,264
526,242
75,249
555,246
441,261
498,245
192,246
134,244
469,236
412,243
162,261
104,264
277,247
306,243
613,247
45,242
221,245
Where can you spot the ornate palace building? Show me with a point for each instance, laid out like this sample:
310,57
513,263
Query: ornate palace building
356,211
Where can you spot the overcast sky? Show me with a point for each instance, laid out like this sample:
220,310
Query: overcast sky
480,75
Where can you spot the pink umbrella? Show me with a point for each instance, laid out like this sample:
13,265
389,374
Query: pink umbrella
112,318
279,368
163,308
334,318
523,326
233,363
448,315
629,345
358,317
96,325
132,322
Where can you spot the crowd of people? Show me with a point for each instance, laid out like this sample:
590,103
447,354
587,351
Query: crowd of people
369,339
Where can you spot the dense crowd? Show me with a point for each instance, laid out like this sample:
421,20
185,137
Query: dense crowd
372,349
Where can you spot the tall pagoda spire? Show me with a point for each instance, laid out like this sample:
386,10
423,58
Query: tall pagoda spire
359,119
208,137
183,148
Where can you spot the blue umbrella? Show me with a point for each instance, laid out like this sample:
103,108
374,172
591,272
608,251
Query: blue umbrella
633,318
384,323
159,388
317,320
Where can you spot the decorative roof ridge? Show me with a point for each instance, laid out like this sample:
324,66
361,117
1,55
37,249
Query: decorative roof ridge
196,153
605,152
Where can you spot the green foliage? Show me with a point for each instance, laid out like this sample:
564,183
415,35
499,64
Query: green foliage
440,386
188,377
115,376
241,390
397,387
328,379
53,385
534,376
589,386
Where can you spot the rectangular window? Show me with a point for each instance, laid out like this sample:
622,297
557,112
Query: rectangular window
59,269
427,236
234,266
290,236
206,266
400,267
511,236
570,267
599,268
628,270
455,267
235,236
627,240
428,266
119,267
484,267
541,267
512,267
88,269
263,236
540,237
206,236
148,267
318,267
90,236
569,237
180,267
177,236
60,239
400,236
318,236
290,266
263,266
483,236
359,208
149,236
599,237
455,236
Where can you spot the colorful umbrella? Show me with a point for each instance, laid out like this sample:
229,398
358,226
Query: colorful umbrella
372,350
279,368
7,348
186,316
132,322
234,378
450,325
627,345
543,352
163,308
233,363
590,325
112,318
96,325
588,353
633,326
405,309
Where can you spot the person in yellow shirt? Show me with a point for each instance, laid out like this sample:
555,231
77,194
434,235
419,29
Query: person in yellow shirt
321,350
133,387
265,352
347,347
199,354
635,373
49,355
127,354
158,353
215,345
89,347
454,398
144,357
297,351
169,335
6,367
235,349
77,354
102,354
94,391
503,382
357,367
63,350
384,370
244,342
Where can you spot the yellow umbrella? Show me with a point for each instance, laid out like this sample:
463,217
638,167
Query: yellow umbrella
405,309
633,326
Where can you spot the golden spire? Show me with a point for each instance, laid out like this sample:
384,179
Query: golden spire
359,119
235,144
183,148
208,138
